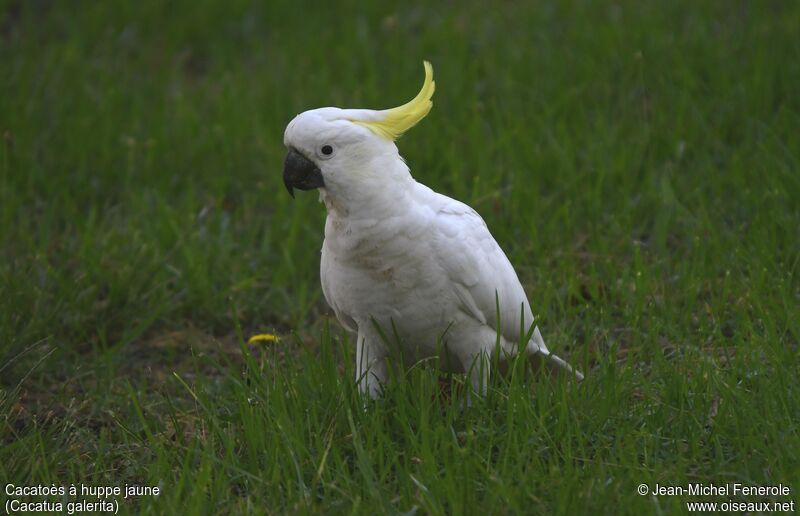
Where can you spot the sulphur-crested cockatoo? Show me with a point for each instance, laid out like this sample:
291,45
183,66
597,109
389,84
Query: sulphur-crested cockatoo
402,261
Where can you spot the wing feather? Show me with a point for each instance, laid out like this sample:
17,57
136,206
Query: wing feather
479,269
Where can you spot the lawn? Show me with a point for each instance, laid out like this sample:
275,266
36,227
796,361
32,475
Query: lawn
638,161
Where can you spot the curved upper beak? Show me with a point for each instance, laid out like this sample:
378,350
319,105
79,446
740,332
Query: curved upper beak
300,172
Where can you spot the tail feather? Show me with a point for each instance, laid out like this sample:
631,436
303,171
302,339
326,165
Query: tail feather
538,354
558,365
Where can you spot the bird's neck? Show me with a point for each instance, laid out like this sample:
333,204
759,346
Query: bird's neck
378,192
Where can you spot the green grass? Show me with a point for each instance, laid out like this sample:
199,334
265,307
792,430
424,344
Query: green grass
638,161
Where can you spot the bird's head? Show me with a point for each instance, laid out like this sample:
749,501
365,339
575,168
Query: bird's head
348,151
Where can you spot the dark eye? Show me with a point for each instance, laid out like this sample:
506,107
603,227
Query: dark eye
326,150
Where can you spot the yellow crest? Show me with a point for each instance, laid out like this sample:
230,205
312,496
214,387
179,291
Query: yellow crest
398,120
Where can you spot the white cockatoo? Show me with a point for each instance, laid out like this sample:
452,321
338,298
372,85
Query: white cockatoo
401,260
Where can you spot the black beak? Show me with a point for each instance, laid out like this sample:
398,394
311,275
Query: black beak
300,172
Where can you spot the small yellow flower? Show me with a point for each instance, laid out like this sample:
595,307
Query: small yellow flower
264,337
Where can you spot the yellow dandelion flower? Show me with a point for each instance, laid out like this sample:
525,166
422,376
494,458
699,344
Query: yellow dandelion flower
264,337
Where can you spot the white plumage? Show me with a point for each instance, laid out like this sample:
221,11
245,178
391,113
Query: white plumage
397,255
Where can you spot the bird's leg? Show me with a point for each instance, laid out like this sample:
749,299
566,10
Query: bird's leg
479,367
371,370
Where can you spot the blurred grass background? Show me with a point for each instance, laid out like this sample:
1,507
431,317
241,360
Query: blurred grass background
638,161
